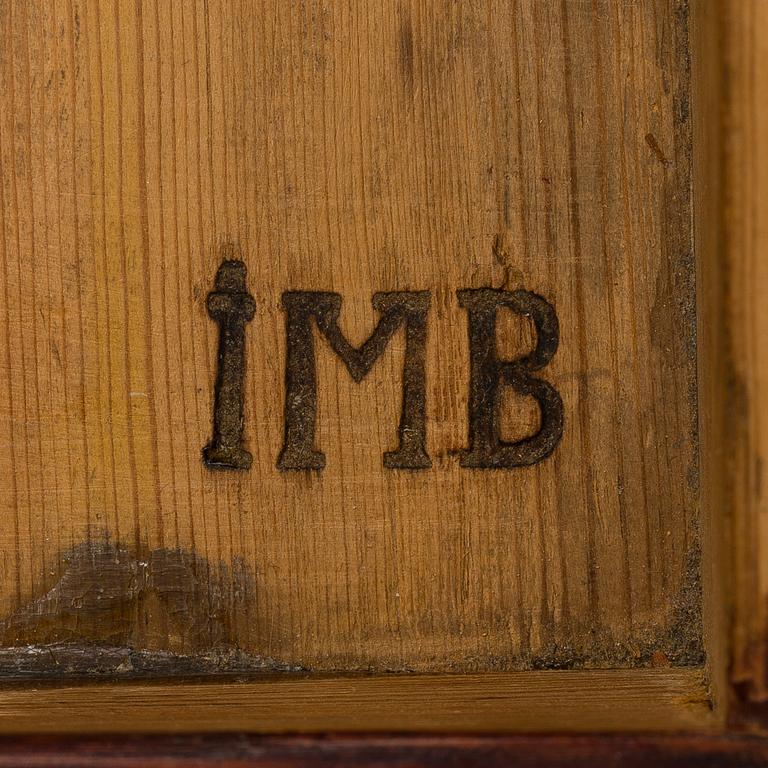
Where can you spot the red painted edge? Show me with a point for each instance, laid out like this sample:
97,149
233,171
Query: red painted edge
377,751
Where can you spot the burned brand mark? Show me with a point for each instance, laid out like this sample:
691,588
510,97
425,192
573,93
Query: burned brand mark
309,311
488,375
396,309
231,306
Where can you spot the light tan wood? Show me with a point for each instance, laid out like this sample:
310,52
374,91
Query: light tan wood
636,700
355,148
747,320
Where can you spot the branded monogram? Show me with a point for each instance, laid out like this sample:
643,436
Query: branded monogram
232,307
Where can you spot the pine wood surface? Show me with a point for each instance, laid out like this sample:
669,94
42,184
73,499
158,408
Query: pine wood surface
356,148
747,318
637,700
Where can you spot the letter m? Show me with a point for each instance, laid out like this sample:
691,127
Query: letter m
396,309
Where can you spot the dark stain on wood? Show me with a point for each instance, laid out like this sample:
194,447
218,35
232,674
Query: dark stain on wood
168,612
650,140
73,661
679,642
405,49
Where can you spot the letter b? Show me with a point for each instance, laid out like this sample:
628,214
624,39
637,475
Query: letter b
489,374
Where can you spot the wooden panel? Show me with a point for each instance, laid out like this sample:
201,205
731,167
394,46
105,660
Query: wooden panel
375,146
579,701
747,226
708,88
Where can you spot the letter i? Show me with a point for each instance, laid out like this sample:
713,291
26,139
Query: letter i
231,306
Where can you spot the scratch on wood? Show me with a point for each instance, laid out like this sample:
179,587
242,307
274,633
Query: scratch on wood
650,140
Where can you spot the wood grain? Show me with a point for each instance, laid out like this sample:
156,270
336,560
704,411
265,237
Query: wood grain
614,700
747,229
361,147
709,85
